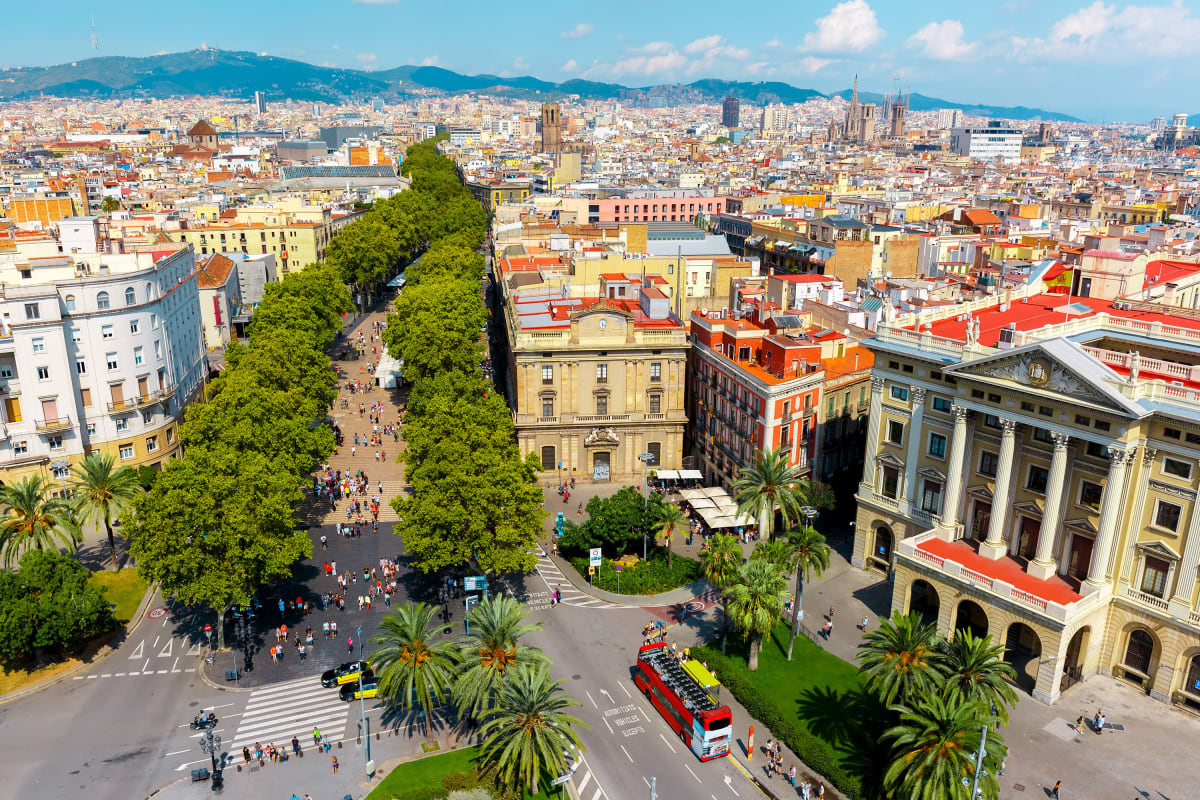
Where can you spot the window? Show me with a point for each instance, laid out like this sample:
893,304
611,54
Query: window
1038,478
988,463
548,459
43,373
70,302
655,451
1177,468
935,375
154,322
1172,433
80,366
106,331
111,360
122,423
893,365
1167,515
937,445
907,368
126,451
133,326
1046,411
1027,406
931,497
151,444
829,412
547,374
76,335
1080,419
1101,425
1154,576
891,482
602,373
39,344
32,311
170,435
55,442
899,393
991,421
895,433
601,405
1090,494
139,355
102,300
1042,435
993,398
1192,438
941,404
6,371
655,371
91,429
86,394
20,448
158,349
547,406
977,394
1096,450
130,296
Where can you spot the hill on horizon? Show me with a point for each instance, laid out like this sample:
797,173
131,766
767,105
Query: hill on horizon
238,74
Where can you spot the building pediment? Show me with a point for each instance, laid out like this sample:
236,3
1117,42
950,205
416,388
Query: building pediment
601,436
1158,550
1053,367
889,460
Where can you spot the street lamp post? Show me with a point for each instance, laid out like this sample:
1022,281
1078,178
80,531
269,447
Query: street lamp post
362,704
645,458
210,744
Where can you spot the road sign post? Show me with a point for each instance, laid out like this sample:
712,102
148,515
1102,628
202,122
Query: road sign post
594,558
468,601
617,567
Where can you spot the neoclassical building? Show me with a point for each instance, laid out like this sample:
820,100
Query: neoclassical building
1034,478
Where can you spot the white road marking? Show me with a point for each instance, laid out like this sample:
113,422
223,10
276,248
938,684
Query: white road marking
156,638
646,781
176,664
119,674
78,677
92,677
667,742
163,671
598,794
729,783
606,694
166,651
145,665
626,752
623,689
177,752
138,651
106,675
587,776
589,694
694,775
610,730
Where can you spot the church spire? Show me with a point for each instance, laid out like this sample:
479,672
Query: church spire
854,97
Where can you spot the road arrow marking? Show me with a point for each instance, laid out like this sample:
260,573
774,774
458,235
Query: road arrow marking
728,782
606,694
137,652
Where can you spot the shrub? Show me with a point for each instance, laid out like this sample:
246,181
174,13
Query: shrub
456,781
808,748
478,793
645,577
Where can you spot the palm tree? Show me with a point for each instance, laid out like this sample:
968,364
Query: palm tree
774,551
901,659
35,519
491,651
101,493
527,733
934,746
413,666
721,563
810,556
671,521
769,484
755,602
976,669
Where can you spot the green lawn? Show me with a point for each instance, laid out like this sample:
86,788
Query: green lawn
426,774
123,589
818,695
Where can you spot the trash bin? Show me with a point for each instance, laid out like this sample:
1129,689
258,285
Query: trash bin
231,674
200,774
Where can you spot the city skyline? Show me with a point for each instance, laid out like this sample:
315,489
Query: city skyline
1012,53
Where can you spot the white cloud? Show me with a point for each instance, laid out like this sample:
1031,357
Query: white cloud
337,47
773,43
366,58
660,62
1133,34
570,66
848,26
430,61
579,31
754,68
942,41
520,63
701,45
654,47
811,64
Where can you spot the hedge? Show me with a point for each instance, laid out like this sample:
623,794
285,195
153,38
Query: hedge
808,748
644,577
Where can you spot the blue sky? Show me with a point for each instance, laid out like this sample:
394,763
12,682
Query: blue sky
1100,61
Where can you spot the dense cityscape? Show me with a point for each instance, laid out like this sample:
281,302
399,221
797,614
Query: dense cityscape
409,434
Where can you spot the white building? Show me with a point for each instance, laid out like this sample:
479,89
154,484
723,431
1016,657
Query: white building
98,352
994,141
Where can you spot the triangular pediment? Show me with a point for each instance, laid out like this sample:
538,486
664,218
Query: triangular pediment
889,460
1158,550
1055,367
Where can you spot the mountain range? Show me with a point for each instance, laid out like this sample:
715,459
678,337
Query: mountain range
238,74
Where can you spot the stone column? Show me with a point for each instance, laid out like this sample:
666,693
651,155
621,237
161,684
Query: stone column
954,471
868,476
914,448
1135,518
1180,604
993,547
1110,516
1042,566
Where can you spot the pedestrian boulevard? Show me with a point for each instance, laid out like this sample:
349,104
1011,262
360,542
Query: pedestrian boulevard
275,714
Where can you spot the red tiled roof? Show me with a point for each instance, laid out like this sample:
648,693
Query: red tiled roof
1009,570
214,272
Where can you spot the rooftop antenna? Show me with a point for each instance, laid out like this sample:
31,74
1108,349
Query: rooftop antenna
95,38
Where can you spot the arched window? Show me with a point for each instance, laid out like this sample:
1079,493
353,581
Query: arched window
149,292
1139,650
102,300
130,296
70,301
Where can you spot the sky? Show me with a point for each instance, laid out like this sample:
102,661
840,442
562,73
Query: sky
1099,61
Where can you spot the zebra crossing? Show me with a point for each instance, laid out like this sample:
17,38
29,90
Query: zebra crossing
586,786
275,714
553,577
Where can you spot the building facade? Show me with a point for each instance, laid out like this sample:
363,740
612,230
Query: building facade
994,141
595,383
730,112
1042,489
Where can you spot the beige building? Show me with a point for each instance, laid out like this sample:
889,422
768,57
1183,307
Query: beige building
1040,486
596,382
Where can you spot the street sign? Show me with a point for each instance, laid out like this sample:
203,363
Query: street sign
595,556
617,567
561,779
474,583
591,570
208,631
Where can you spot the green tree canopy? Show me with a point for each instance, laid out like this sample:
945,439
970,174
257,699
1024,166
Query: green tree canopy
34,519
436,328
100,493
48,603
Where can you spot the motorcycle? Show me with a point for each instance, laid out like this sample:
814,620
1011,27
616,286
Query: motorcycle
201,722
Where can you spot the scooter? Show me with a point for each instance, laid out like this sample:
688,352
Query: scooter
201,722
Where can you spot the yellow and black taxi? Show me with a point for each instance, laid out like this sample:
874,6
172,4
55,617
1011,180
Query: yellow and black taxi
346,673
370,689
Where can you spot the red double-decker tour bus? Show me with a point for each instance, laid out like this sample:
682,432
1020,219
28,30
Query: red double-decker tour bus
685,694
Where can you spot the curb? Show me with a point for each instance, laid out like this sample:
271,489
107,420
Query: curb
101,654
218,687
695,589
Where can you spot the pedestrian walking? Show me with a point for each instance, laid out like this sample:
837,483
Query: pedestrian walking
864,625
1099,722
1057,788
316,737
350,645
334,765
792,775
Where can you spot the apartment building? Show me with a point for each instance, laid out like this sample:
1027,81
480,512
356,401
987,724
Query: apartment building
296,234
98,352
1031,474
596,382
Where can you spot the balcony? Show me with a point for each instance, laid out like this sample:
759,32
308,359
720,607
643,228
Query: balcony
547,420
593,418
1147,599
1005,578
52,424
655,417
130,403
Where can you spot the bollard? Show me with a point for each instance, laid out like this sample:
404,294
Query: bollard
750,744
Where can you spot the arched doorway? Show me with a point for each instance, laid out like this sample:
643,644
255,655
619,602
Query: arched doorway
923,599
881,553
1191,683
1023,649
1073,664
1138,657
970,616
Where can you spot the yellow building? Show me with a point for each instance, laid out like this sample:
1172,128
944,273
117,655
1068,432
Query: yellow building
1039,485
